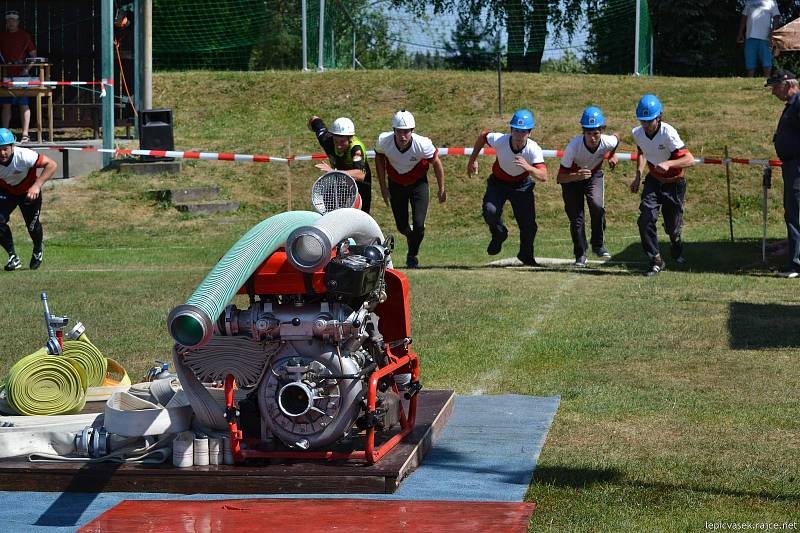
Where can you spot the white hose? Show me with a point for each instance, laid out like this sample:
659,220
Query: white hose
309,248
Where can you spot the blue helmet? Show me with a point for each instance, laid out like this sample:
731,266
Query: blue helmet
6,137
592,118
649,107
522,120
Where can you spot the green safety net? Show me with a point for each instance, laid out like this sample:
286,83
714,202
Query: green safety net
206,34
522,35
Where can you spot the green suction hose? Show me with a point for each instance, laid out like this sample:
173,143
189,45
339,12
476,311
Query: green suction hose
43,384
191,324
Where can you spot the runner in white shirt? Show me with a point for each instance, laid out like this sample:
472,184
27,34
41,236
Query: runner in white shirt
661,149
759,18
21,187
405,157
518,158
581,176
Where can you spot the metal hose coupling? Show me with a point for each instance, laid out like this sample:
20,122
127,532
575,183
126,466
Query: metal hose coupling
190,326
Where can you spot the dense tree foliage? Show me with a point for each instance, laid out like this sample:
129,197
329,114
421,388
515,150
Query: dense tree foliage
525,22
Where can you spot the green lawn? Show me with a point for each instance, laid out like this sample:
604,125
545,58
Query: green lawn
679,394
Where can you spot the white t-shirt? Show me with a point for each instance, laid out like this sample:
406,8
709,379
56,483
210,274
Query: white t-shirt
666,144
504,168
759,15
20,173
577,155
407,166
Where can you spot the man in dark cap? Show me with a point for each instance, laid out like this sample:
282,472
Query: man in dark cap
787,145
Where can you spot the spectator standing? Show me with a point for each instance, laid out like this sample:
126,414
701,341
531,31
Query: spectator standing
581,176
784,86
16,45
518,158
661,150
20,186
759,18
404,157
346,153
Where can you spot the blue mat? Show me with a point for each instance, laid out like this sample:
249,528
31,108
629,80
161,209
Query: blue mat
487,452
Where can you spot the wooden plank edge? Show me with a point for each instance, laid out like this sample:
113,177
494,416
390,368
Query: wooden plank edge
422,448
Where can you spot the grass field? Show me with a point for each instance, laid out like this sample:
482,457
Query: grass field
679,394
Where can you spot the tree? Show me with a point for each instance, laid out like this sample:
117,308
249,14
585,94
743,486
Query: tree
525,23
475,46
696,37
612,29
281,43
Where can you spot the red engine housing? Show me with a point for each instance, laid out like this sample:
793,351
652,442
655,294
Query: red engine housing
276,276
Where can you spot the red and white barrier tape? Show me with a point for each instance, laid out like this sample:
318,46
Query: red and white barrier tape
245,158
39,83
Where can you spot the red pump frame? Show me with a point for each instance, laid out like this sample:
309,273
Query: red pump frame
274,276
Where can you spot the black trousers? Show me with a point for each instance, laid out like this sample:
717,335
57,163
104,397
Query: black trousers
365,191
416,195
523,204
573,194
791,211
669,199
30,213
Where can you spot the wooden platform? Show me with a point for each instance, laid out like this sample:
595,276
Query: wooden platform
313,516
434,408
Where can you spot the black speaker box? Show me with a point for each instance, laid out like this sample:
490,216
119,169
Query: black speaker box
155,130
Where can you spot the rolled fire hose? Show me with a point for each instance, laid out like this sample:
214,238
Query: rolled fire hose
309,248
43,384
117,380
191,324
86,355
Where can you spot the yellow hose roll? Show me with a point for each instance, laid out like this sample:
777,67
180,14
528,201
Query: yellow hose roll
88,357
42,384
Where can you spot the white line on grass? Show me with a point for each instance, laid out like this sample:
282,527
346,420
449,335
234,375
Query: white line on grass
499,363
134,269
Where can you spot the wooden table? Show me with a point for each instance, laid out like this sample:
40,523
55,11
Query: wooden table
38,92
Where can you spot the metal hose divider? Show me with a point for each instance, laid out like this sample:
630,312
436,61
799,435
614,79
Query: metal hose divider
309,248
191,324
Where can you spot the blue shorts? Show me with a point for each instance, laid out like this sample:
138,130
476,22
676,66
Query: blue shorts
757,51
19,100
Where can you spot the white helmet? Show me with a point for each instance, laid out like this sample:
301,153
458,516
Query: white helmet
403,120
343,126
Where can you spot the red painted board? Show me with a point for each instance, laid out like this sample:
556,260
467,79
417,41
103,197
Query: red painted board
312,516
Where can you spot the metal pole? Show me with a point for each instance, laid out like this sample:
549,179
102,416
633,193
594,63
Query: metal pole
107,72
137,56
766,183
289,179
636,38
499,84
651,53
147,55
304,12
320,58
354,47
728,179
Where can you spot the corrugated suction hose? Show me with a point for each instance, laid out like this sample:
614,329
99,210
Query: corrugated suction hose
191,324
